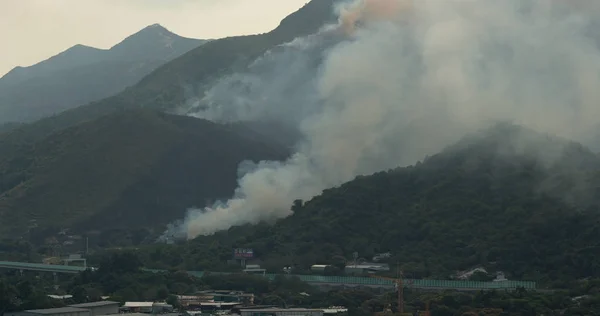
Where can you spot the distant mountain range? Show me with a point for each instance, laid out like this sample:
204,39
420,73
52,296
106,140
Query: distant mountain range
121,164
83,74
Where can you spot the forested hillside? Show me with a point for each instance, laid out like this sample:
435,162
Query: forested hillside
509,199
129,170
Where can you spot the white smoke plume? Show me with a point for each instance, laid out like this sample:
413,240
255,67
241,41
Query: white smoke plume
408,79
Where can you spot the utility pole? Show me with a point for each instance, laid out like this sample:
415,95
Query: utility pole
400,286
400,296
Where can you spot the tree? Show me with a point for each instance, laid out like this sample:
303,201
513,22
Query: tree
162,293
79,294
173,301
120,262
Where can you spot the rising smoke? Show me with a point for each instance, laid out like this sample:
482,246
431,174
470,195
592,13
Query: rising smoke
407,79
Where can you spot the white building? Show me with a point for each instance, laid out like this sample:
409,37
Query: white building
99,308
281,312
62,311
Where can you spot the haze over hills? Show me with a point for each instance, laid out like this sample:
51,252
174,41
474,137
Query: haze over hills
83,74
359,97
395,81
169,86
506,198
129,170
59,138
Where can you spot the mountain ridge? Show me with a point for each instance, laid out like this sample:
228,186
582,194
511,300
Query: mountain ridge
166,87
112,170
82,74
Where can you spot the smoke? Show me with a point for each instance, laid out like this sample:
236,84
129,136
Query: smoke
406,80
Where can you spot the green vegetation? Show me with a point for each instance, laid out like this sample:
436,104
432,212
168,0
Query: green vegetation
165,88
100,165
510,200
132,170
120,278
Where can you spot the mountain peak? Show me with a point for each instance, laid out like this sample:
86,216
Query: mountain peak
154,28
155,25
152,38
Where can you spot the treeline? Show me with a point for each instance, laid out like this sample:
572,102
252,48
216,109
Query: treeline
120,277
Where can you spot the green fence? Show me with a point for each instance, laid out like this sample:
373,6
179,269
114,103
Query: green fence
432,284
316,279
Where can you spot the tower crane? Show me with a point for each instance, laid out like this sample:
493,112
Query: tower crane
399,284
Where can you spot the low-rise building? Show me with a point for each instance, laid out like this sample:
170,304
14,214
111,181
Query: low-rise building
366,267
61,311
281,312
146,307
319,267
218,296
254,269
99,308
137,307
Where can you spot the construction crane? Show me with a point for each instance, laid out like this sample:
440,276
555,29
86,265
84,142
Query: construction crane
399,283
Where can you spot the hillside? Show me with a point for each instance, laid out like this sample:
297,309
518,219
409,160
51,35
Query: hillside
165,88
489,200
83,74
129,170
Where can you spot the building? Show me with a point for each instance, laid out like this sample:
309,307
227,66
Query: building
214,307
366,267
145,307
219,296
281,312
254,269
62,311
137,307
319,267
60,297
99,308
334,310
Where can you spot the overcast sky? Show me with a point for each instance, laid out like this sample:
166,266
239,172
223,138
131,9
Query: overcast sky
33,30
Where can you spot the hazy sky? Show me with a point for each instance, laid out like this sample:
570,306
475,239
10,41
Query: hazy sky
33,30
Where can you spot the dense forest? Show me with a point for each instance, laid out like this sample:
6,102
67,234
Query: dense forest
509,200
135,170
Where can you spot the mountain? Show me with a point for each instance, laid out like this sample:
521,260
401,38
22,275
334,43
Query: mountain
35,156
84,74
129,170
508,199
166,87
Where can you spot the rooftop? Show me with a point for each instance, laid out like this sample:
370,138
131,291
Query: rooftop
95,304
60,297
281,310
138,304
220,303
60,310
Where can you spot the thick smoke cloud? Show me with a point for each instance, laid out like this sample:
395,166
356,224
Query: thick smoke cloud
406,80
